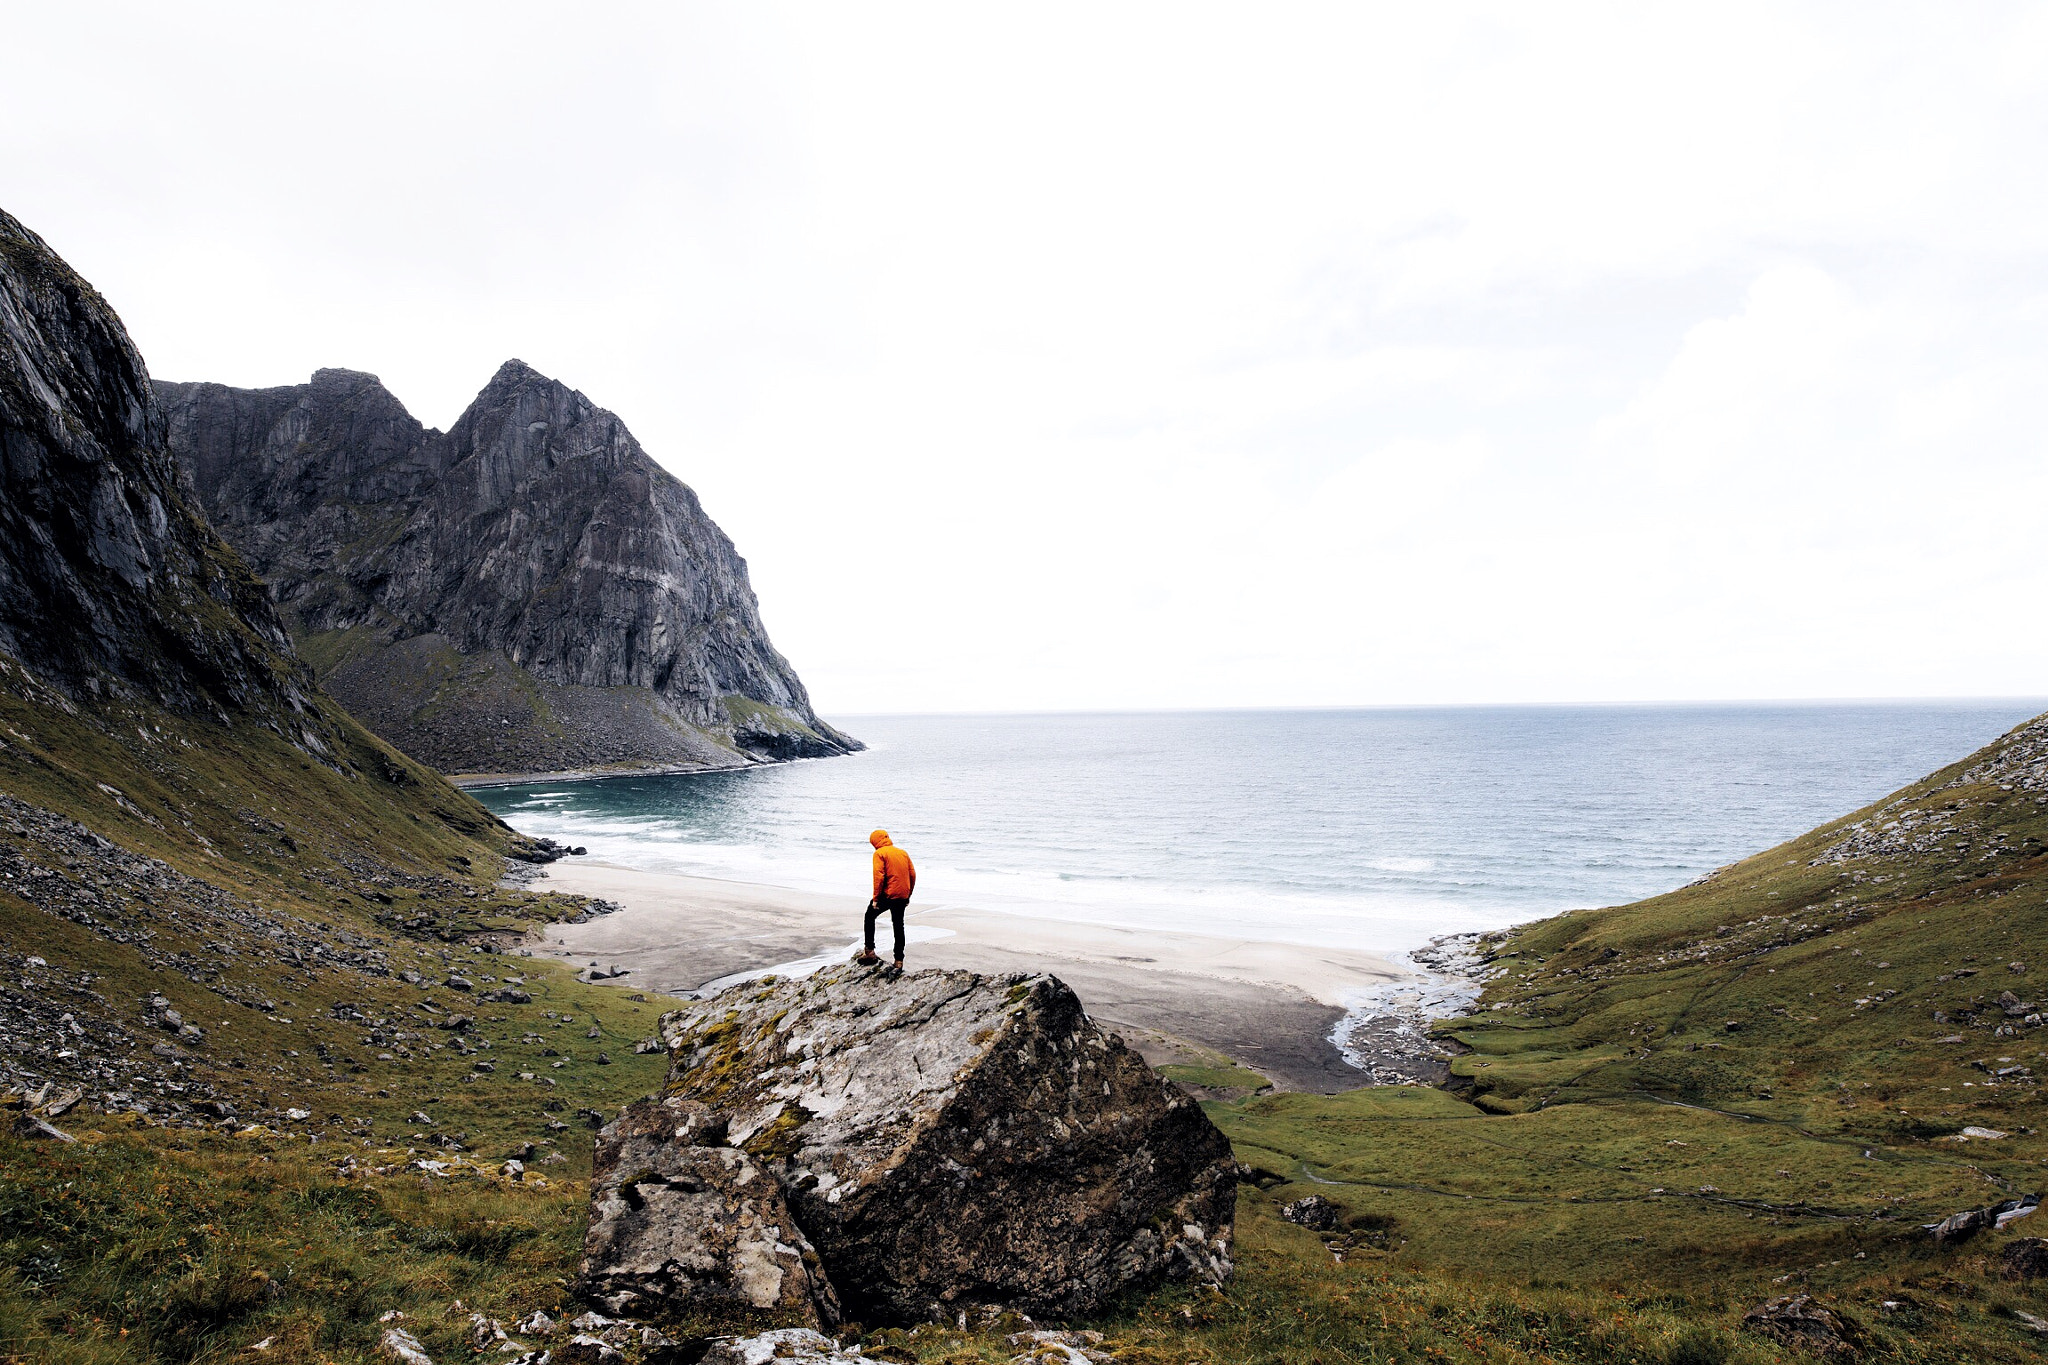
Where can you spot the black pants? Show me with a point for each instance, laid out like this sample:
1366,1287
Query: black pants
894,905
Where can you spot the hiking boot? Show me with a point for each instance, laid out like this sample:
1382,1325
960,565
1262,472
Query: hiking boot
866,957
896,967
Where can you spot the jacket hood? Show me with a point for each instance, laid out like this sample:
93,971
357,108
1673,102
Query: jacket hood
880,838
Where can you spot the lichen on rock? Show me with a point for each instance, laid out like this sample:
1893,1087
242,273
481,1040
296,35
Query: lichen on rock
677,1218
946,1140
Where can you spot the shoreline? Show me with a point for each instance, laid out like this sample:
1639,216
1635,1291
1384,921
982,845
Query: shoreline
475,781
1276,1007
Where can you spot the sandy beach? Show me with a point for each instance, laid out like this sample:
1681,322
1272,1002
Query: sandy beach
1269,1005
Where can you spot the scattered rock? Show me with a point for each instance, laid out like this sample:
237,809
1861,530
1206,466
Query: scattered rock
401,1346
1053,1353
1058,1348
535,1324
29,1126
2025,1258
1313,1211
1018,1340
1802,1323
585,1349
795,1345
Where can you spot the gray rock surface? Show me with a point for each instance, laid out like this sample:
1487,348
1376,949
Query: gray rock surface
402,1348
784,1346
1960,1227
674,1221
525,592
947,1140
1803,1323
110,581
1313,1212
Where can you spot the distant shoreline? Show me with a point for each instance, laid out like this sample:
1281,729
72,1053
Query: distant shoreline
1271,1006
473,781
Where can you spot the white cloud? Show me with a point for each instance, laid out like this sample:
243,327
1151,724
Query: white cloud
1164,355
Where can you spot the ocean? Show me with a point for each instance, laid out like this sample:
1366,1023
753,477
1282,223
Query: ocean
1375,829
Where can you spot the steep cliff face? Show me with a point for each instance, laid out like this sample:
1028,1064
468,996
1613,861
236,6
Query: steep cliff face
526,592
109,582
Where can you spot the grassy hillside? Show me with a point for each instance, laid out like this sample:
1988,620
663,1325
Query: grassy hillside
1668,1111
1753,1086
302,914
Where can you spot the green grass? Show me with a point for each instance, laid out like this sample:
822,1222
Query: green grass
148,1243
195,1247
1738,1090
1665,1112
1229,1077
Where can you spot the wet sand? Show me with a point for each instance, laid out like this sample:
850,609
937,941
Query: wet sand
1269,1005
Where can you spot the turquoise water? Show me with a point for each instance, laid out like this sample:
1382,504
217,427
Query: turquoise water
1370,829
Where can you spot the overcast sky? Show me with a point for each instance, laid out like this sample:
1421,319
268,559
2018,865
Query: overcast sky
1132,356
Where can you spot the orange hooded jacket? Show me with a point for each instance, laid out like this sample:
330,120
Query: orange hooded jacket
895,876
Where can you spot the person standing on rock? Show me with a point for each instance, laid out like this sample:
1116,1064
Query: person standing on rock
895,879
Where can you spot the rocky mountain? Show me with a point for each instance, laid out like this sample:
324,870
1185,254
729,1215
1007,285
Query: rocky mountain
526,592
110,583
182,809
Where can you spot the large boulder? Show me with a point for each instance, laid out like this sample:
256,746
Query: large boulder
674,1221
947,1140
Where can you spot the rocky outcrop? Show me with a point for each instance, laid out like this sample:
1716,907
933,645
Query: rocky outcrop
943,1140
1960,1227
678,1217
110,582
1800,1322
525,592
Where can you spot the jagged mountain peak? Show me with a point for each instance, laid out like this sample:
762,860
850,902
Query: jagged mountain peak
516,371
535,540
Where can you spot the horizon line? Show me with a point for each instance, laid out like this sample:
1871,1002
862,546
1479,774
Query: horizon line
1310,707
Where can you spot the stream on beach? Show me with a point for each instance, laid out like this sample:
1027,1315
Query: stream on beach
1376,829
